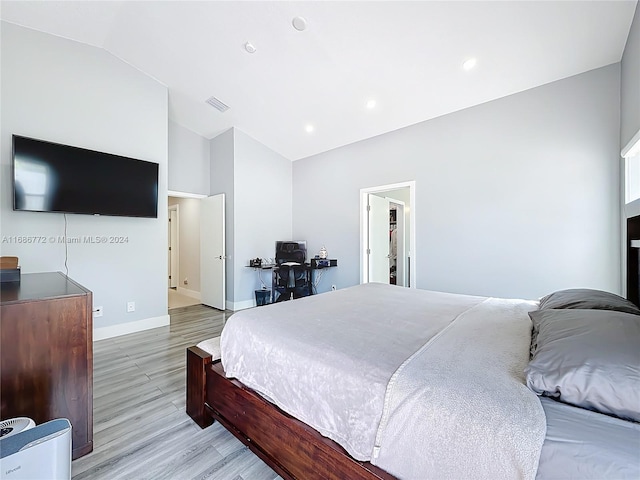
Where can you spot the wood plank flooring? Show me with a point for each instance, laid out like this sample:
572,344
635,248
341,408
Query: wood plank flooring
141,430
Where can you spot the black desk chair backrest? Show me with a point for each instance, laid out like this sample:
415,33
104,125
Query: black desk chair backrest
290,252
291,280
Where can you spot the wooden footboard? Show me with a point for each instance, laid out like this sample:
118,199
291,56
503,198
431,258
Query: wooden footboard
197,361
292,448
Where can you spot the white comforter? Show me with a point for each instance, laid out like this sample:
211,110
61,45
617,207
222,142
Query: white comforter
463,396
329,359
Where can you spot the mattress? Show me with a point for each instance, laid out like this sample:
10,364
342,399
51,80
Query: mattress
581,444
292,353
384,370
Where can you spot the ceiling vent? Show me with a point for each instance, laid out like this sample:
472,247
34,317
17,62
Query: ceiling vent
217,104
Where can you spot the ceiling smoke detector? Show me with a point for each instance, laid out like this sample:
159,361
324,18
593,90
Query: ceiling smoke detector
217,104
249,47
299,23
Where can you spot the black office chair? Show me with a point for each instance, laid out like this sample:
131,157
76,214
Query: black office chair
290,275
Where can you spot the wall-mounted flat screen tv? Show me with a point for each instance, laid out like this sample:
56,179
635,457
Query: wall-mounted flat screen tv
50,177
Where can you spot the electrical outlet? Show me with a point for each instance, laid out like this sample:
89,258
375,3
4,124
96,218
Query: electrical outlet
97,312
186,281
131,306
333,287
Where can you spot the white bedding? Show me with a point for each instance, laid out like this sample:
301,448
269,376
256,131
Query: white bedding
463,395
328,359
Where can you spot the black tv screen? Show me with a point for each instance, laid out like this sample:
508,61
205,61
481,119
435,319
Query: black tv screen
50,177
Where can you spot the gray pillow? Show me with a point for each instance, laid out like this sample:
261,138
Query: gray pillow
588,358
588,299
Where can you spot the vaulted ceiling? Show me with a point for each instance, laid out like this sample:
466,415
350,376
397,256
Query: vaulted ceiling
358,69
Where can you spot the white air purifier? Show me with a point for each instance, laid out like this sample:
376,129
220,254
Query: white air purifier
15,425
30,452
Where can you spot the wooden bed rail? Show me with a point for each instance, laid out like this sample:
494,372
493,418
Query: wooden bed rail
290,447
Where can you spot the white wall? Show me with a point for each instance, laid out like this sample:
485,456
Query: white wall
189,161
257,184
59,90
189,244
516,197
263,210
221,181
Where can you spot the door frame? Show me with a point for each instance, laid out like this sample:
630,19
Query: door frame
364,227
178,194
175,247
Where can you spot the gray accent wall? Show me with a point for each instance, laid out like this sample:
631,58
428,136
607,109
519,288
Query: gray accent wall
66,92
189,161
630,84
629,110
515,198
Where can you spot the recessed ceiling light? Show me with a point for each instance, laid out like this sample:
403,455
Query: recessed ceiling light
249,47
309,128
299,23
469,64
371,104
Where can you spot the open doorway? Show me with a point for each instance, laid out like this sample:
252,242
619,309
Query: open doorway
387,234
184,251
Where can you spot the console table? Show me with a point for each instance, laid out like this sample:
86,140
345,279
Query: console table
46,345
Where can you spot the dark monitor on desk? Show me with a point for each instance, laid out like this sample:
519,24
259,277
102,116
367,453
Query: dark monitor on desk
289,251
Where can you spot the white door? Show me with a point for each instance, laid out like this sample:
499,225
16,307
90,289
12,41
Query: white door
212,252
378,239
173,248
401,263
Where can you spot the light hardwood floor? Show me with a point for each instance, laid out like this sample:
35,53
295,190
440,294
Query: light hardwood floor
141,430
177,300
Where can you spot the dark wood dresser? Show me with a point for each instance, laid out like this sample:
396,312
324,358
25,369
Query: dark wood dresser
46,353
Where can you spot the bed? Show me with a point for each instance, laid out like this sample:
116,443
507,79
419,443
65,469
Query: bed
459,396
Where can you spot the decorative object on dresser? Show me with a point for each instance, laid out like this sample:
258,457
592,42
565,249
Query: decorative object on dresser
9,269
46,364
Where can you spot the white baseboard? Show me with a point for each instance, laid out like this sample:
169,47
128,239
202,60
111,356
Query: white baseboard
235,306
189,293
130,327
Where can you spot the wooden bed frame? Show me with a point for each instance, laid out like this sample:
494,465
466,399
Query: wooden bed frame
290,447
